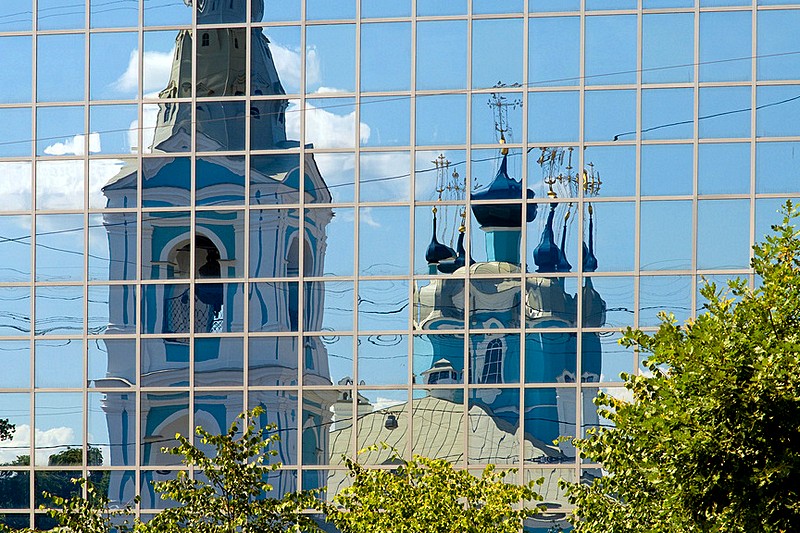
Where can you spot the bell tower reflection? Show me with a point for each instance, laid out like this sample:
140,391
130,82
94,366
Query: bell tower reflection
192,301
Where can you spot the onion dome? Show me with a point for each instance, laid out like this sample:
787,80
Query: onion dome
589,259
450,266
437,251
547,255
563,264
502,188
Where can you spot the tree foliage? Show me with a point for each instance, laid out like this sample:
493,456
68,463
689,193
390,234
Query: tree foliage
430,496
6,429
710,440
229,492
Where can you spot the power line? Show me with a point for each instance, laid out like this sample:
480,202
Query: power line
368,101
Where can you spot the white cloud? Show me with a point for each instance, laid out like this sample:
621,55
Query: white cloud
150,119
323,128
157,68
366,217
385,403
15,185
48,442
75,146
377,167
287,63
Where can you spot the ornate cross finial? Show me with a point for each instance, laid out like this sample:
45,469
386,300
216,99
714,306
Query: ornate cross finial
500,104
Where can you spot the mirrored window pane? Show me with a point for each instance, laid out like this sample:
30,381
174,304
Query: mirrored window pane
723,234
672,294
59,247
778,111
611,49
554,37
662,246
15,248
59,363
724,112
15,128
668,47
667,169
724,168
486,68
59,67
437,39
385,61
58,440
377,255
15,356
15,77
725,46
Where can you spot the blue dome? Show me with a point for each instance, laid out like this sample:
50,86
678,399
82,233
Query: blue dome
547,255
437,251
450,266
502,188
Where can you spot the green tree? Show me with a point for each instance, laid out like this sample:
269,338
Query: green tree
6,429
430,496
710,440
229,492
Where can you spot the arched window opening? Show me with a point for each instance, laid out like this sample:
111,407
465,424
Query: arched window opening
205,40
493,363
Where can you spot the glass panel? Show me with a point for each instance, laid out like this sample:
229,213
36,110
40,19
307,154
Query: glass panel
274,254
616,166
166,13
331,123
667,114
438,39
166,309
614,249
724,112
610,49
59,363
667,169
385,61
383,359
16,318
550,357
112,246
334,51
379,8
114,66
329,306
668,47
723,234
56,15
280,408
272,361
59,310
610,116
219,180
383,305
60,131
15,358
725,169
218,362
275,10
441,120
162,416
494,422
438,359
112,362
15,493
725,46
385,122
775,58
59,185
494,358
549,414
553,117
330,9
608,301
377,255
15,128
20,16
15,248
549,38
550,302
165,245
339,351
101,15
672,294
383,418
486,68
59,247
59,63
112,309
384,176
59,429
666,246
15,76
776,167
16,450
113,130
112,433
778,111
274,179
273,306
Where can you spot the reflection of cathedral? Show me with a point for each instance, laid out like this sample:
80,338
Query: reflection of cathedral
187,259
501,426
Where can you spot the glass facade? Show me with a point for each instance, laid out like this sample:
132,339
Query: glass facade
421,223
